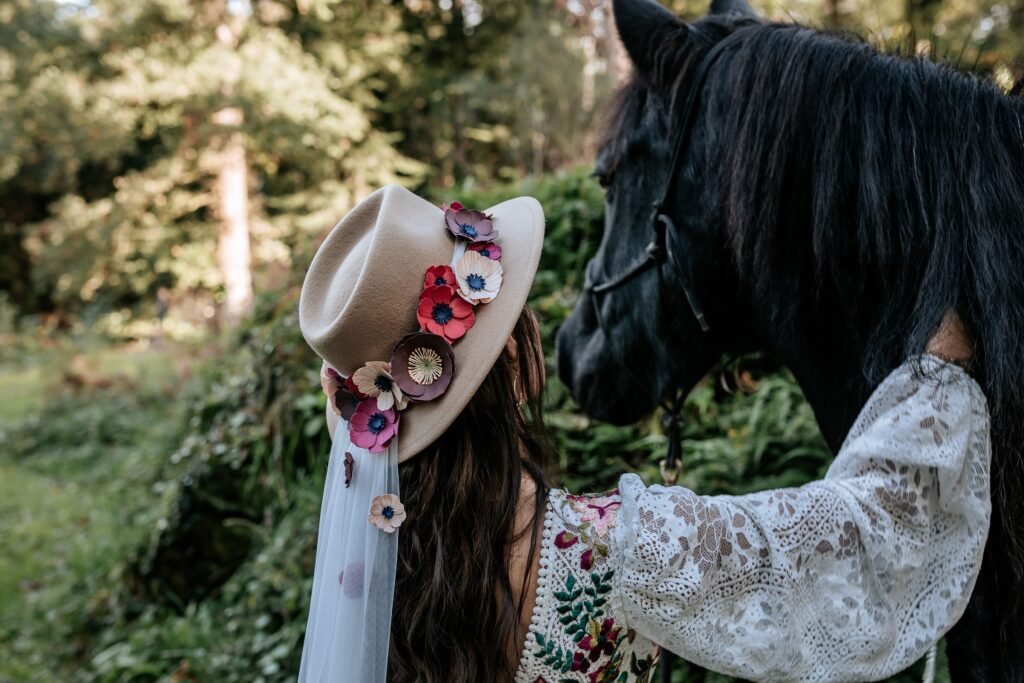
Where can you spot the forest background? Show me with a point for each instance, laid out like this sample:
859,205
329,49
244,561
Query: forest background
167,169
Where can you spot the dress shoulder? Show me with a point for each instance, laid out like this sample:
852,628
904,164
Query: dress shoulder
575,633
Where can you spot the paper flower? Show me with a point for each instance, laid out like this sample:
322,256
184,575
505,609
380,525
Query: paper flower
454,206
350,465
439,276
422,365
352,579
488,249
372,428
374,379
474,226
479,278
387,513
443,312
343,402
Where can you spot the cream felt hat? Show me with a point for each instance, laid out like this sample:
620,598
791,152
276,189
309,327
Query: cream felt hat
362,290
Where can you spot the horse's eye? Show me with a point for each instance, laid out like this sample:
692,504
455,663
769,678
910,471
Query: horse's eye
604,179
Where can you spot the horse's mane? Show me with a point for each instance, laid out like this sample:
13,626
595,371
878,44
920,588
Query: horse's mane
890,185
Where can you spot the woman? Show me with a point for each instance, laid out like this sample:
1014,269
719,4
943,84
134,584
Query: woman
431,359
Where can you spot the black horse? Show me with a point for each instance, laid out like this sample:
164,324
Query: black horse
831,203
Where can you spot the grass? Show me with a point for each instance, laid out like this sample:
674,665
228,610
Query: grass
78,459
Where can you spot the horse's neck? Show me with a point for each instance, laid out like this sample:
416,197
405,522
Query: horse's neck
832,382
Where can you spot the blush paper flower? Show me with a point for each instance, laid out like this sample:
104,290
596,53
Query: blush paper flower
488,249
422,365
479,278
474,226
374,379
386,513
372,428
443,312
440,276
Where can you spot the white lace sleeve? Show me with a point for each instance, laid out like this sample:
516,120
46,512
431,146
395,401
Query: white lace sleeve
851,578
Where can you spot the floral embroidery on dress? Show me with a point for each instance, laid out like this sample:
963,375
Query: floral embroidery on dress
575,635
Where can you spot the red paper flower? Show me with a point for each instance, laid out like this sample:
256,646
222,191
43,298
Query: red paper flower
372,428
444,313
440,276
454,206
488,249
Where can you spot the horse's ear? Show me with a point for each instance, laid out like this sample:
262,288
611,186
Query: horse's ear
732,6
644,26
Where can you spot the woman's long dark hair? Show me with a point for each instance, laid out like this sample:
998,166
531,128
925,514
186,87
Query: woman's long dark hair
455,611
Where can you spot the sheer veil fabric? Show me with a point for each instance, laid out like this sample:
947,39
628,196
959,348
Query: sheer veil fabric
349,627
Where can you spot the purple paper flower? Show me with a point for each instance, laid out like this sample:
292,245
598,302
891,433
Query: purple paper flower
422,365
372,428
474,226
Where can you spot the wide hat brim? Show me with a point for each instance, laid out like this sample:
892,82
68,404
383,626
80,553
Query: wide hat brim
362,289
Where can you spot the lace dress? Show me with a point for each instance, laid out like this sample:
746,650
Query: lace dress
851,578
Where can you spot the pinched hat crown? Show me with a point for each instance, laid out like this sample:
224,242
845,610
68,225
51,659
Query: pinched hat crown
361,292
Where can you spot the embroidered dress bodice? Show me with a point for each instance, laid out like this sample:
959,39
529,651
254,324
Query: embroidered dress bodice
851,578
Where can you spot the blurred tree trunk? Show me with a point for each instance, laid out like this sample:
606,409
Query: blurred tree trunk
618,61
233,249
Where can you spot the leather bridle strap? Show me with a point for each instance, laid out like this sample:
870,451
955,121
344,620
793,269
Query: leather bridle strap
657,251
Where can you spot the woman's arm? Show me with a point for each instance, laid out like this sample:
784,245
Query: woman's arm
850,578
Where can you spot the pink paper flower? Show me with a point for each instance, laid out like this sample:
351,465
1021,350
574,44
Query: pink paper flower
387,513
488,249
372,428
440,276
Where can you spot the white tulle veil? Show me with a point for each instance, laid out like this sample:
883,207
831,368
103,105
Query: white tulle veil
348,632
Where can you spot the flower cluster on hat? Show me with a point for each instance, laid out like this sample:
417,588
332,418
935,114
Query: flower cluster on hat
488,249
375,381
471,225
372,428
387,512
423,365
444,313
479,278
